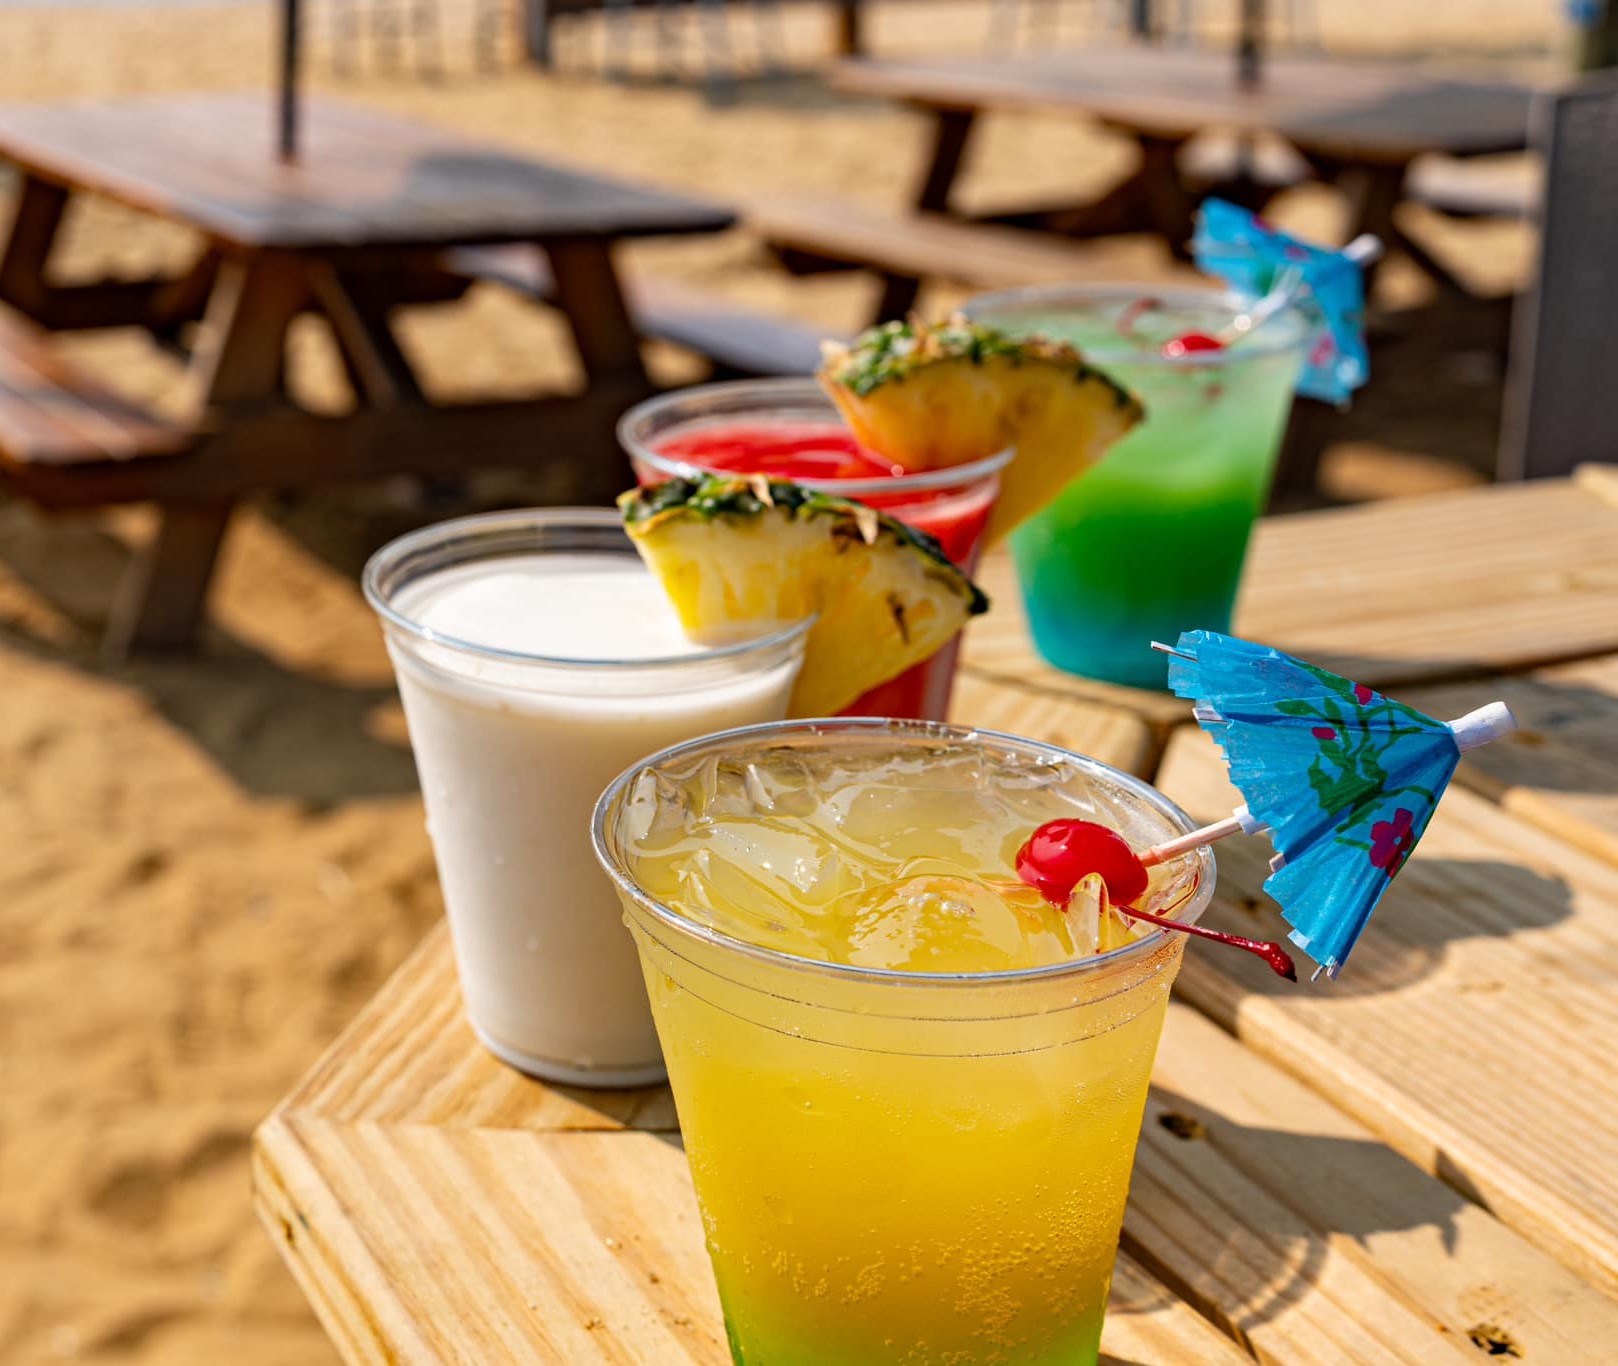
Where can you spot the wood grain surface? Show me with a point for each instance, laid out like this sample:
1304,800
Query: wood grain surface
1368,111
410,1160
437,1206
52,413
1103,731
1317,1185
1420,589
1468,1030
1417,1163
1558,770
362,178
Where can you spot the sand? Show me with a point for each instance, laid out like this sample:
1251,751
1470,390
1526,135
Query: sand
207,865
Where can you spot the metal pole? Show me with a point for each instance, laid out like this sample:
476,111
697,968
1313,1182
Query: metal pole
1140,18
288,140
1250,45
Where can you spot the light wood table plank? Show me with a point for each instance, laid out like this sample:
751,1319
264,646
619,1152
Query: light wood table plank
409,1160
1459,1197
1110,733
1469,1030
436,1206
1366,111
1332,1192
1600,480
363,178
1416,589
1560,771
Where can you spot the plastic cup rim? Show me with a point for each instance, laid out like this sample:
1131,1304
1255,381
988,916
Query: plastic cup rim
981,307
785,391
401,547
1198,897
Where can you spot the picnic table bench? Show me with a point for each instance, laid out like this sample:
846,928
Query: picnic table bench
1360,126
360,227
1418,1163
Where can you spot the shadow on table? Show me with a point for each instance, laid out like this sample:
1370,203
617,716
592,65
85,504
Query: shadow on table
1435,903
277,731
1568,736
1248,1172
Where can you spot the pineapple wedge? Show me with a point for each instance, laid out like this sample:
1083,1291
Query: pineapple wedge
738,556
928,397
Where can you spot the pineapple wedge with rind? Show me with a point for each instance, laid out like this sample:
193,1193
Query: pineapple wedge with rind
740,556
927,397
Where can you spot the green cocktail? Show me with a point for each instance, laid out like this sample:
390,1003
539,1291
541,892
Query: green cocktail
1150,541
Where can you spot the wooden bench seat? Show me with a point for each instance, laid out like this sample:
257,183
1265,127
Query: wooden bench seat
815,233
1499,187
53,416
739,341
67,440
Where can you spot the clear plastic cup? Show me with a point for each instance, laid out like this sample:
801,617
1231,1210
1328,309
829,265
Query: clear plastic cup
665,436
1150,542
903,1166
512,747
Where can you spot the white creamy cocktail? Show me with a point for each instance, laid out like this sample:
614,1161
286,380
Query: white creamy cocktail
536,659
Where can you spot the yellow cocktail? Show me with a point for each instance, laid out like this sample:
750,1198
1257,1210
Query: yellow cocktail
910,1090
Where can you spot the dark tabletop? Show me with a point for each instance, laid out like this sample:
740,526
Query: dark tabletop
363,179
1353,110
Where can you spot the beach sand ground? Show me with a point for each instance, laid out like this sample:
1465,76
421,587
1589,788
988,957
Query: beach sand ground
207,864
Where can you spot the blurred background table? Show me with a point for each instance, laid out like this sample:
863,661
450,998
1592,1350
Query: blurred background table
357,229
1418,1163
1359,125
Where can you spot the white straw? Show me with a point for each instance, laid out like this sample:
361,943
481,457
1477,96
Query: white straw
1364,249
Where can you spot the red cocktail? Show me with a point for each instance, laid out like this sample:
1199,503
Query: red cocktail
788,429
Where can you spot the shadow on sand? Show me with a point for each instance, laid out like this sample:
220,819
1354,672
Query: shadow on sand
277,731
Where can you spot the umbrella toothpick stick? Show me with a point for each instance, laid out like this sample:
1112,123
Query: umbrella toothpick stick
1344,781
1362,251
1240,821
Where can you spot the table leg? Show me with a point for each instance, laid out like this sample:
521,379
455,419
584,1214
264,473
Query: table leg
537,33
183,300
1297,469
1151,198
33,232
952,130
1167,205
850,39
161,303
1372,192
239,359
359,316
1430,266
589,293
165,590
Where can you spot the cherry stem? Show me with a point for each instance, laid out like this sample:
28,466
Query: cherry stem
1279,959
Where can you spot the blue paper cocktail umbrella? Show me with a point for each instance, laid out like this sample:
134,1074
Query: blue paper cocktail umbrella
1277,270
1342,779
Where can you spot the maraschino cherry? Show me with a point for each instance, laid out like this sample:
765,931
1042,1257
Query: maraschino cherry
1188,343
1061,853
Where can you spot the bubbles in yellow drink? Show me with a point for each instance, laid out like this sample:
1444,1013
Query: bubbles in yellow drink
910,1089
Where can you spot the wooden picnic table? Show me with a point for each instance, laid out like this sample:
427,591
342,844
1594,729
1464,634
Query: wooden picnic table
354,230
1358,125
1418,1163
